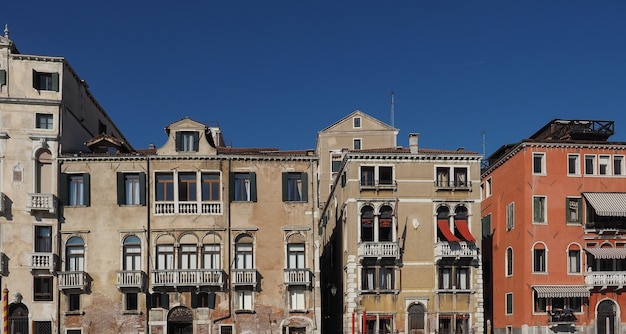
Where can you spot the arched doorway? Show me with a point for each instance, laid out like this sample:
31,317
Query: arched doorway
18,319
180,321
416,318
606,317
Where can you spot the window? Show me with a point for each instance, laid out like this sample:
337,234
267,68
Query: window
509,261
42,288
164,187
443,177
295,187
74,331
211,187
211,256
452,177
374,176
573,261
159,300
243,256
165,257
131,301
75,189
243,300
379,228
132,253
44,121
187,141
75,254
367,176
573,207
102,128
335,164
489,189
297,300
73,302
356,122
539,259
386,278
226,329
539,209
454,278
510,216
131,188
188,257
243,187
42,327
544,304
376,278
573,164
590,164
295,256
618,165
187,187
46,81
356,144
203,300
43,239
604,165
539,163
509,303
460,177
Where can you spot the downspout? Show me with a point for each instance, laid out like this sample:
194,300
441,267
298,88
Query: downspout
228,232
59,240
147,231
313,211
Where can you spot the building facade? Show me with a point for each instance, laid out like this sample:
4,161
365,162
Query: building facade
553,214
399,234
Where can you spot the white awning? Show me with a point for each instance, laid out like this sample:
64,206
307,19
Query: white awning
608,204
607,253
561,291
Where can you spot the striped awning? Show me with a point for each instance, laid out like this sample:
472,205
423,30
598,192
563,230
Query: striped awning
608,204
561,291
607,253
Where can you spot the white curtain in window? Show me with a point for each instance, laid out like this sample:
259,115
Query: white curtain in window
296,256
133,256
165,257
188,258
243,259
369,280
244,299
296,298
463,279
76,259
211,256
445,277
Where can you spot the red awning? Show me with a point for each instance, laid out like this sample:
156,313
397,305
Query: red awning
383,222
445,229
461,225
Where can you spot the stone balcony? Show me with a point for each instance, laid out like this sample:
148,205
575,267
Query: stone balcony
456,249
187,277
244,277
131,279
381,249
187,208
605,279
73,280
45,261
41,202
301,276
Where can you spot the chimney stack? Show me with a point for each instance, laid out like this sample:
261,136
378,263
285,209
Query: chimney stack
413,142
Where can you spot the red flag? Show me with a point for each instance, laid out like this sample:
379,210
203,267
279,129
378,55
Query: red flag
395,209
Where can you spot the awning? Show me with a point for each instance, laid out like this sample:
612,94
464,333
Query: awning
608,204
607,253
445,230
461,225
560,291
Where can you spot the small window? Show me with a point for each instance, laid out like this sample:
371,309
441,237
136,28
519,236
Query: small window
44,121
539,209
618,165
539,163
164,187
489,189
604,165
539,260
204,300
510,216
573,261
367,176
75,189
42,288
540,303
102,128
43,239
42,327
73,302
590,164
244,300
131,301
211,187
573,207
243,187
74,331
356,144
226,329
46,81
509,303
573,164
509,262
356,122
187,141
295,187
131,188
297,299
187,187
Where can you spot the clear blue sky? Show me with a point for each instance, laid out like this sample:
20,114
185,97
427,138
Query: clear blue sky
274,73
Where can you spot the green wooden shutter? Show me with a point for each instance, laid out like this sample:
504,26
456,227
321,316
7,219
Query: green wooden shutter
343,180
55,82
35,79
142,189
86,189
196,141
194,299
305,187
285,179
148,300
179,141
231,186
253,187
63,189
121,189
3,77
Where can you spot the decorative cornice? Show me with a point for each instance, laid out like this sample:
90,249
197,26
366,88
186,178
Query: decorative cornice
26,101
38,58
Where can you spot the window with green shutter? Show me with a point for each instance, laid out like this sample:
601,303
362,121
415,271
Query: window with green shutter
46,81
295,187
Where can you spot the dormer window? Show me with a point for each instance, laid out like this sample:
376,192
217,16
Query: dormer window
356,122
187,141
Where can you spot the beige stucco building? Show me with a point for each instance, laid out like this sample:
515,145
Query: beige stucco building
399,233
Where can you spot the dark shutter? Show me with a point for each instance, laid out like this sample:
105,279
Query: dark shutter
253,187
63,189
285,179
196,141
194,299
121,189
55,82
305,187
179,141
35,80
148,300
142,188
3,77
87,189
231,186
165,300
343,180
211,300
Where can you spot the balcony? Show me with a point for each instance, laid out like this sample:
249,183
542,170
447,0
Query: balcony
298,276
453,185
131,279
187,208
456,250
2,202
382,249
73,280
188,277
605,279
244,277
378,185
41,202
46,261
561,317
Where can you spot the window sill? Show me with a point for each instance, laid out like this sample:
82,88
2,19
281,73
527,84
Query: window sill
70,313
378,292
132,312
455,291
245,312
299,311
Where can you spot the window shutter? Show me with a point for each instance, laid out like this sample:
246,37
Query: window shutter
285,178
179,141
3,77
231,186
63,189
142,189
121,189
87,189
211,300
194,299
253,187
148,300
196,141
55,82
343,180
165,301
35,80
305,187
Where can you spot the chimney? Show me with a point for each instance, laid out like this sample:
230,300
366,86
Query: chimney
413,142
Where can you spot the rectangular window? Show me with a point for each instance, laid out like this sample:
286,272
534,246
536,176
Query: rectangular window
356,122
297,299
42,288
73,302
187,187
509,303
573,261
187,141
374,176
618,165
445,278
131,301
244,300
211,256
295,187
243,187
210,187
46,81
604,165
367,176
573,210
489,189
75,189
226,329
335,163
188,257
356,144
385,175
539,260
131,188
44,121
443,177
74,331
573,164
43,239
539,209
165,257
368,278
590,164
42,327
295,256
386,278
539,303
539,163
164,187
462,278
510,216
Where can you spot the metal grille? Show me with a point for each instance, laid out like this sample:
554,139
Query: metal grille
42,327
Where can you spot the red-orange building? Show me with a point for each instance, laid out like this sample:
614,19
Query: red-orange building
554,225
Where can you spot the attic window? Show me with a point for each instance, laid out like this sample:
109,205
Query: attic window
187,141
356,122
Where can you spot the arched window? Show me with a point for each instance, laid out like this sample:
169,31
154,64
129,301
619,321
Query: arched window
211,252
574,263
367,223
132,253
43,172
509,261
385,224
188,252
244,252
165,252
540,258
417,314
75,254
296,252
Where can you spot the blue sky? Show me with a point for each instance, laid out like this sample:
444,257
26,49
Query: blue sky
274,73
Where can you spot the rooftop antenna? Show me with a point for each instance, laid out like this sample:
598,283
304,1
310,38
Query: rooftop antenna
392,109
483,142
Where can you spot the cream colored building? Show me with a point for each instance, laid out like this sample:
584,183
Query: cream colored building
399,234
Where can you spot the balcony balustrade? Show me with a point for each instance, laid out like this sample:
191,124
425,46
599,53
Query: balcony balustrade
456,249
188,277
301,276
453,185
389,249
605,279
131,279
378,185
244,277
41,202
45,261
187,208
73,280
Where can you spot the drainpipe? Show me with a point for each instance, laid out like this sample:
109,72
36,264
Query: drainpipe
313,211
229,290
147,231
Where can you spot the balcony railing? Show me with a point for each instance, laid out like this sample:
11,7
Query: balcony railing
188,277
605,279
453,185
297,276
73,280
378,185
456,249
561,317
187,208
41,202
244,277
379,249
131,279
45,261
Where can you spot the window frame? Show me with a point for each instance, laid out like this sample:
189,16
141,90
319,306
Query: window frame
508,303
39,288
540,209
44,121
46,81
75,193
510,216
43,242
540,259
136,182
295,187
590,163
187,141
242,297
356,122
509,262
579,211
131,301
542,163
299,293
240,191
573,160
618,165
578,259
604,162
73,302
357,143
